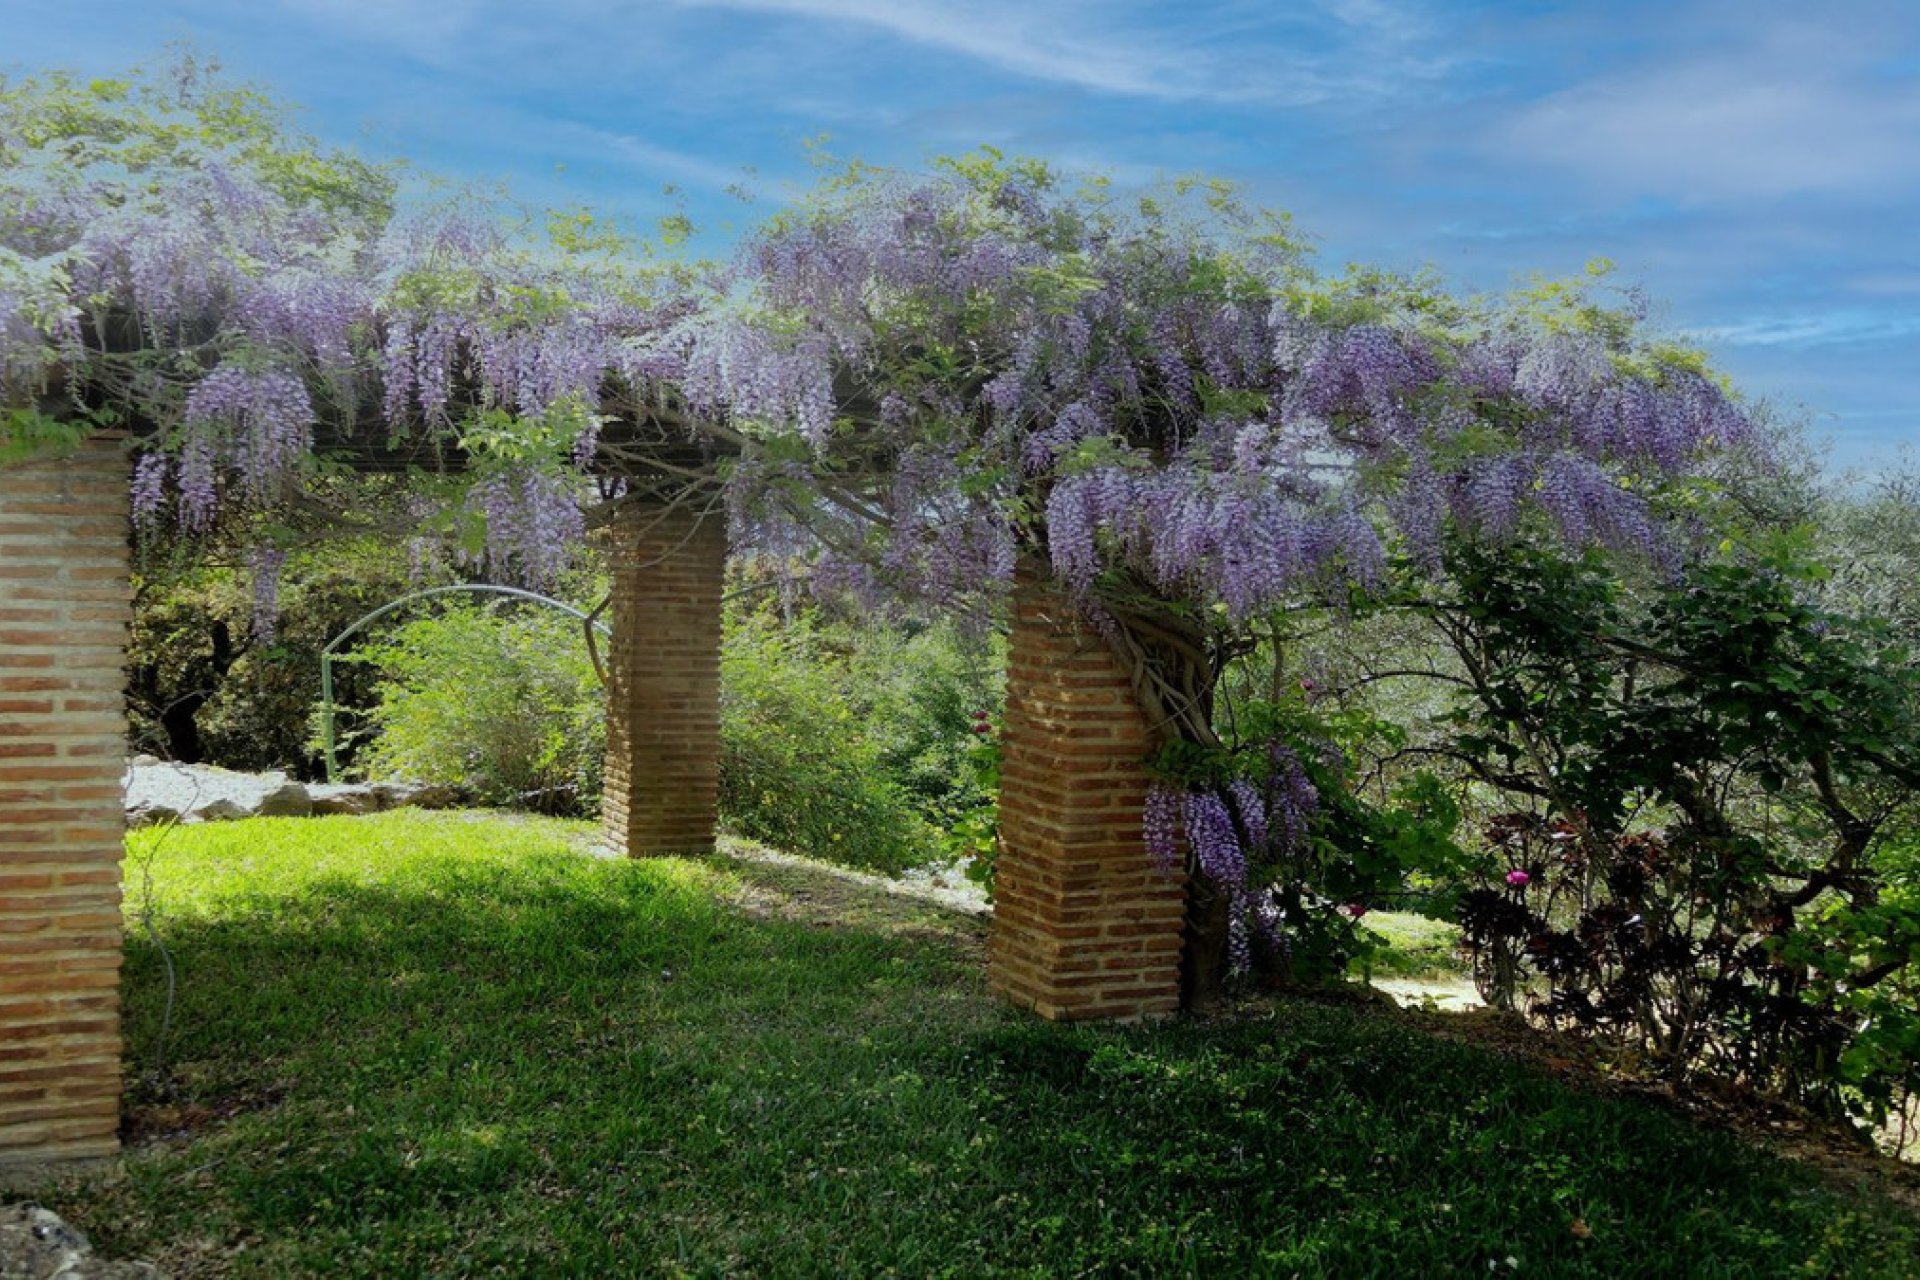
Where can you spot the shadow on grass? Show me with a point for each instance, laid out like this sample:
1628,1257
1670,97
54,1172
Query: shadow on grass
544,1064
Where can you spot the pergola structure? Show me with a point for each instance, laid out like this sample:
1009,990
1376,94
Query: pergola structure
1085,926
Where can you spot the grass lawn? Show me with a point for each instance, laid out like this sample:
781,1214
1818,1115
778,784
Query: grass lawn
454,1044
1413,946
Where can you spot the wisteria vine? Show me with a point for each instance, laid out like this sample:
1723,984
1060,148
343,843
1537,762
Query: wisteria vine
1185,425
174,261
918,383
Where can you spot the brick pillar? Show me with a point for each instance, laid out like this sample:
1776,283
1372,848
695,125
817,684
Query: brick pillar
663,681
1084,925
65,603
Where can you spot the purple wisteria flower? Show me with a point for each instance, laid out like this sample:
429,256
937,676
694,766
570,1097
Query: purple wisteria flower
149,488
1160,827
534,526
266,564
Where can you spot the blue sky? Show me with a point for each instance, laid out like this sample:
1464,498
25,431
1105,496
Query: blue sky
1755,164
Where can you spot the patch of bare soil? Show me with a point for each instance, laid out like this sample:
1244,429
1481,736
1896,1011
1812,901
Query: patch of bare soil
156,1118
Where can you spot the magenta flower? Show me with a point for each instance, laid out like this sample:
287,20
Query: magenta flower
1355,909
1518,879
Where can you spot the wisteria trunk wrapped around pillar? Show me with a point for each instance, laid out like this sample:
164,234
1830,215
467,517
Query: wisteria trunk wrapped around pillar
663,680
64,607
1085,924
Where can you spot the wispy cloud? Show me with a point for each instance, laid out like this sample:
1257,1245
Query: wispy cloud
1100,47
1797,107
418,28
662,163
1016,40
1810,329
1390,19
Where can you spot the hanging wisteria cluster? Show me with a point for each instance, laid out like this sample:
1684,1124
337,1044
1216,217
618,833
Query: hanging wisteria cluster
266,565
532,527
1229,833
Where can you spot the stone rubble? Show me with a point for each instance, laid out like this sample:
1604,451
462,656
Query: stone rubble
158,792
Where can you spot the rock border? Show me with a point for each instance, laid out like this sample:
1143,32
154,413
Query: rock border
160,792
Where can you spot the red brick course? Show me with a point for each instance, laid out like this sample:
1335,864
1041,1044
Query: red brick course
1084,925
663,681
65,603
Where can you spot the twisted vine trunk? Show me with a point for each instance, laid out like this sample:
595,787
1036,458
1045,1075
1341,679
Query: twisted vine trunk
1175,670
1205,964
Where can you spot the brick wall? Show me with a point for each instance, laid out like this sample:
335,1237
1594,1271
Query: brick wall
1084,925
663,681
64,608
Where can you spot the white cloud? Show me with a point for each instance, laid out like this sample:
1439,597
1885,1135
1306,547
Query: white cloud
1795,109
1384,17
662,163
1013,40
1336,54
421,29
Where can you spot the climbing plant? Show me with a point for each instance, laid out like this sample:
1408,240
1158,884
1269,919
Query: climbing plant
178,262
1157,401
905,383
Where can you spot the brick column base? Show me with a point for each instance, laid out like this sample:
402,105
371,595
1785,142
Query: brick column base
65,602
663,682
1084,925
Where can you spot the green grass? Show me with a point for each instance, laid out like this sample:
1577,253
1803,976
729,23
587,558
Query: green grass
454,1044
1413,946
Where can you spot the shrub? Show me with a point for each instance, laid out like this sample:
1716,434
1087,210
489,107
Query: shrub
833,742
1711,858
921,690
203,687
927,697
805,763
505,706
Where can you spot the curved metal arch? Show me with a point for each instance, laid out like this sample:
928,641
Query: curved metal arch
588,622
